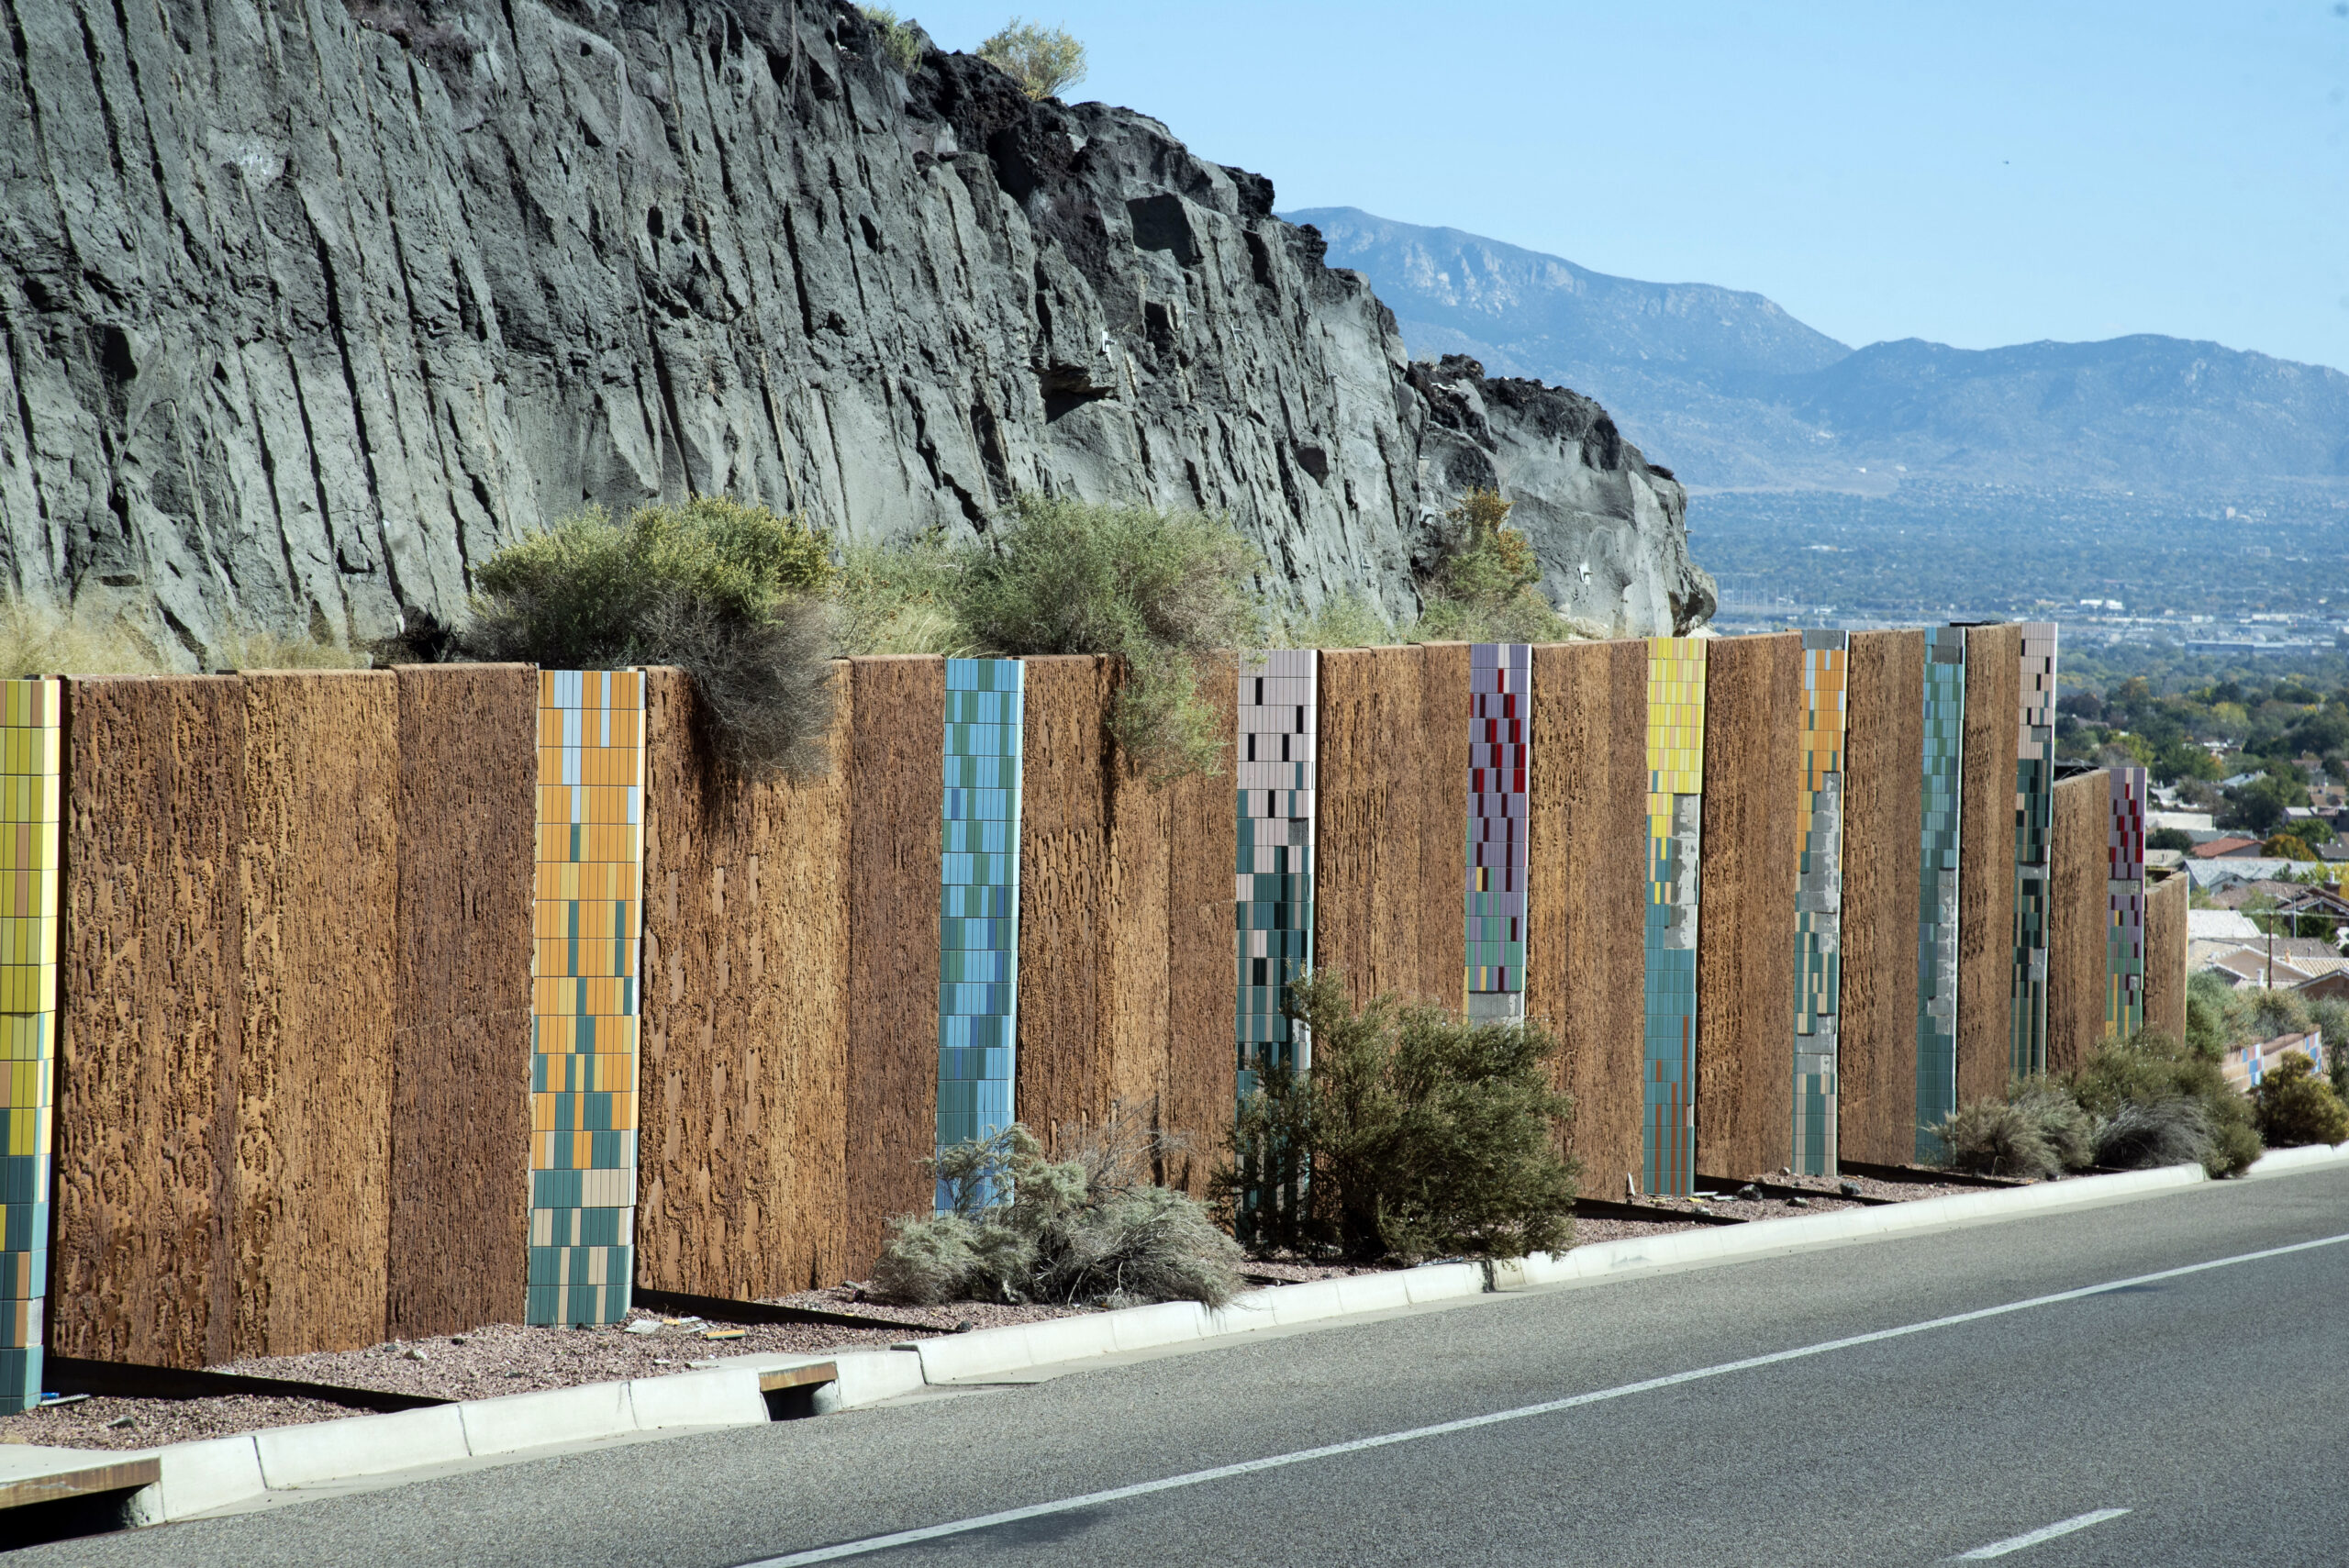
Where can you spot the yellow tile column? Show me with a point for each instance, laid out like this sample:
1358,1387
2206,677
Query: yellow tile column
29,736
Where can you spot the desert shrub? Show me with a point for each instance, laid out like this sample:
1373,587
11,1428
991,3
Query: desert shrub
2069,1129
902,597
2331,1015
901,42
2265,1013
1413,1134
1163,591
2150,1071
2209,1008
2296,1106
732,594
1483,589
70,639
1996,1138
1041,60
1090,1229
2145,1134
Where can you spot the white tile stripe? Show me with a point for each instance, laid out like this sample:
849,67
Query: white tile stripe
871,1544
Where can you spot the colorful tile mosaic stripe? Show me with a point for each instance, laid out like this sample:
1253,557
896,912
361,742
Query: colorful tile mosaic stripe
2034,818
1943,762
2124,849
1500,713
29,745
1675,819
1819,900
584,973
978,906
1272,886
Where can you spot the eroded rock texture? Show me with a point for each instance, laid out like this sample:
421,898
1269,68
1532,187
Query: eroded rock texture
306,307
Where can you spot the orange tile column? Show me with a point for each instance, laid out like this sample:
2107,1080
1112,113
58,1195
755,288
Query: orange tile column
583,1065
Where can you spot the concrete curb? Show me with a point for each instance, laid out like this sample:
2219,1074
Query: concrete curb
222,1473
2284,1162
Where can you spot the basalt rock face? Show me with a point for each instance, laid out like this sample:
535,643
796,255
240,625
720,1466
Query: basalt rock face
307,309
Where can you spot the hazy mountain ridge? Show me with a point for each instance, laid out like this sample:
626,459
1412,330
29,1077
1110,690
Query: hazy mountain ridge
1730,390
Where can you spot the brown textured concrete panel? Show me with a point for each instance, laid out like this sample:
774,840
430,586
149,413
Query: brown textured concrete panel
744,1089
1066,894
1587,890
1883,780
2166,957
1985,862
1392,820
1202,832
1442,955
459,1227
151,994
1745,941
896,783
320,905
2079,916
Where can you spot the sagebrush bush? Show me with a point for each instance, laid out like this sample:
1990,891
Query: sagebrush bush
1345,619
2297,1107
1167,593
1041,60
70,639
902,597
2151,1069
1089,1230
1412,1134
1994,1138
732,594
2145,1135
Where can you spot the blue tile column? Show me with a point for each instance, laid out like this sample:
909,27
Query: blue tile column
1943,764
978,909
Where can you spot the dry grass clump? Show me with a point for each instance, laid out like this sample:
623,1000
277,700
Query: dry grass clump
2146,1134
1090,1229
70,639
259,648
1997,1138
733,594
1413,1134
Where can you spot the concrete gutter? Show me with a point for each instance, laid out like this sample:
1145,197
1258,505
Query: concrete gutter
286,1463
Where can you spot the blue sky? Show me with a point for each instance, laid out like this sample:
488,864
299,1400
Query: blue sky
1977,173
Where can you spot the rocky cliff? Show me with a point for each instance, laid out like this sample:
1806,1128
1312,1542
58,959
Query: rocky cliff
307,306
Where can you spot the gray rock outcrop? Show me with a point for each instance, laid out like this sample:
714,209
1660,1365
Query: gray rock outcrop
305,308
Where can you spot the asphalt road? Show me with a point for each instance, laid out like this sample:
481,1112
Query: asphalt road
2208,1404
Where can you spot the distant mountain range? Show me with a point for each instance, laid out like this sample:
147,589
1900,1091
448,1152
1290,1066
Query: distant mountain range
1730,392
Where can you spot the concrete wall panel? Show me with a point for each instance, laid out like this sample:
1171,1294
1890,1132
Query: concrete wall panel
319,905
1587,890
897,751
1985,877
460,1094
1883,748
743,1093
1391,834
1746,914
2166,957
2077,919
143,1267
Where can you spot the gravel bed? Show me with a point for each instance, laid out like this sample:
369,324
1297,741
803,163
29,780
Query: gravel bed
90,1423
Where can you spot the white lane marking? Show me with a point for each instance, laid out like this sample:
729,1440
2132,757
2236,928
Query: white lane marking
1524,1412
2044,1532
